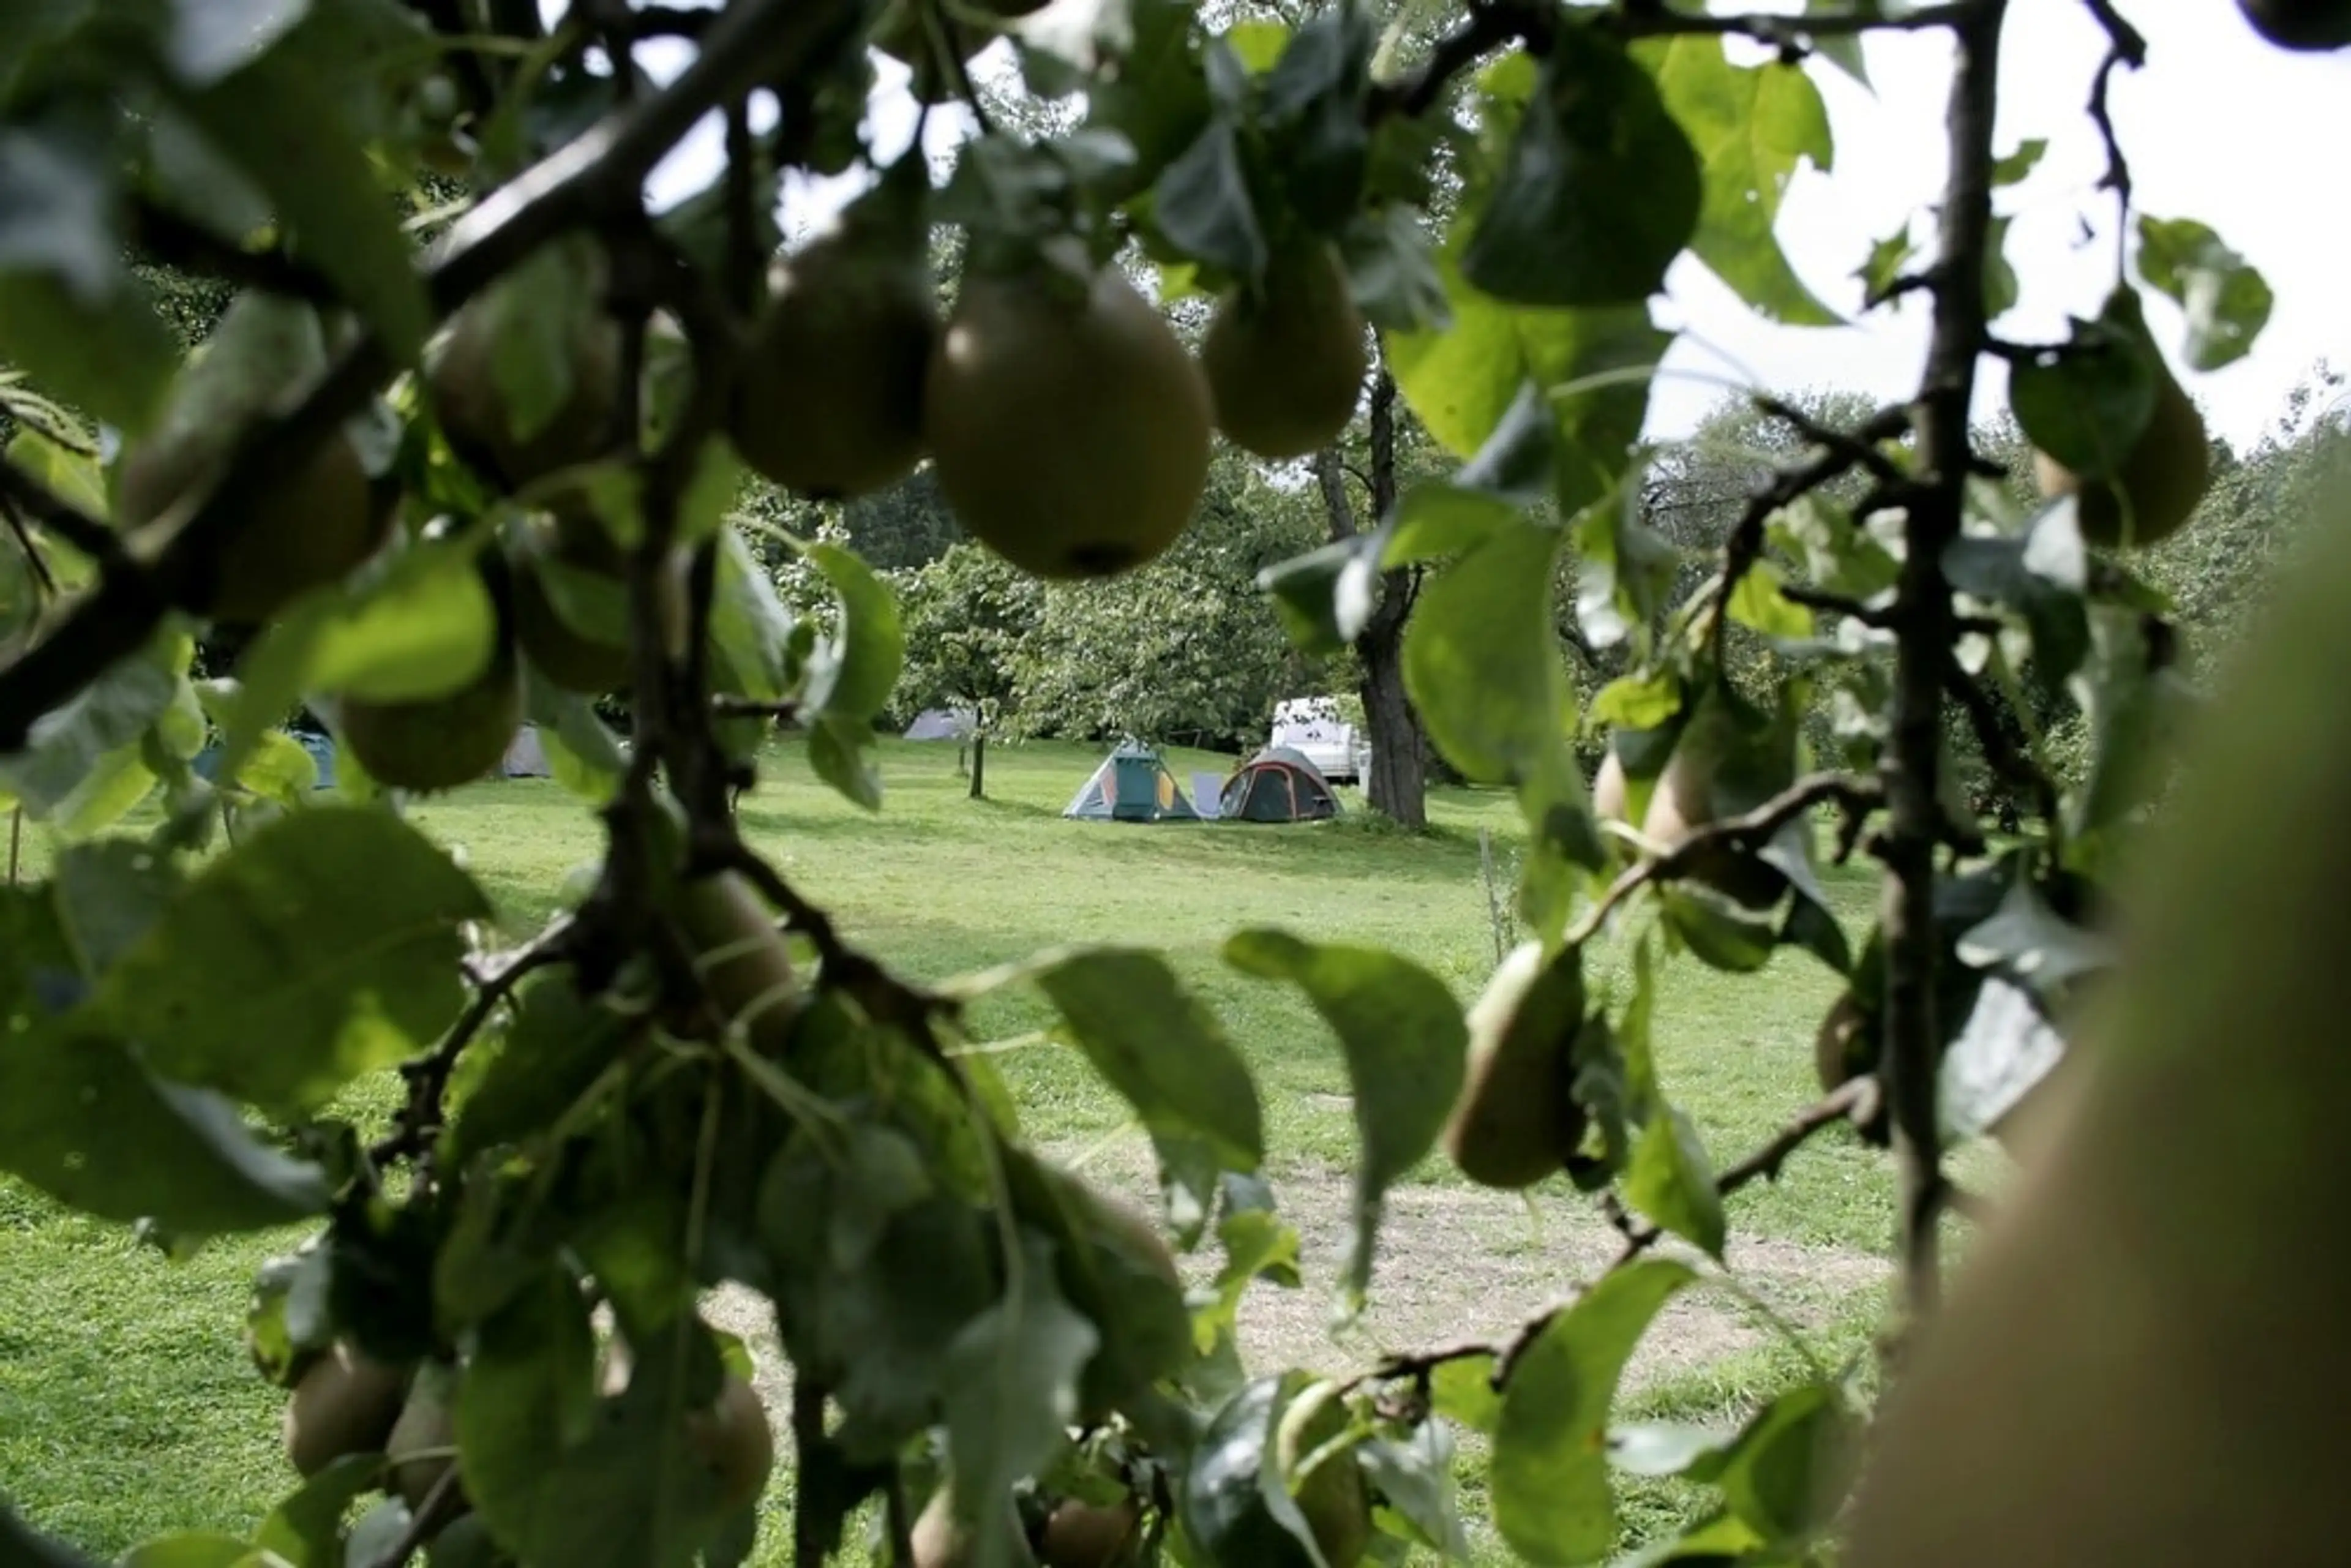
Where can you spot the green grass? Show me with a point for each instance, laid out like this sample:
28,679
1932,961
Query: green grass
126,1405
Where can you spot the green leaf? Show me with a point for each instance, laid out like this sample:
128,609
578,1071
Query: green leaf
1784,1477
1326,596
1837,553
189,1549
1757,604
1885,264
2133,709
81,1119
1414,1476
1624,568
415,625
71,313
843,755
278,120
281,768
1011,1385
1671,1180
1996,1057
558,1044
1392,271
1656,1448
1599,191
582,753
853,673
2085,405
2226,299
1258,42
1481,658
2000,285
750,630
2031,942
1201,204
108,895
1236,1506
306,1529
1638,701
2013,168
113,711
1463,378
528,1394
1634,1024
1549,1482
1165,1054
271,980
1406,1051
1723,936
208,40
1462,1390
1751,127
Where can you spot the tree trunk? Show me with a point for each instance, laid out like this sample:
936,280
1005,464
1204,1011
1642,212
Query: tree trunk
1398,784
979,767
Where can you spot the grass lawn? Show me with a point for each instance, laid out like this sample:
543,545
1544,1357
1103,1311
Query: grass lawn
127,1408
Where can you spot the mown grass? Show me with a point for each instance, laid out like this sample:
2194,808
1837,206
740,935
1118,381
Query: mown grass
126,1405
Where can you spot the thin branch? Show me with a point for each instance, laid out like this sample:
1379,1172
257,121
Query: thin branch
589,181
2124,46
181,242
1489,27
45,508
1841,454
428,1076
1857,797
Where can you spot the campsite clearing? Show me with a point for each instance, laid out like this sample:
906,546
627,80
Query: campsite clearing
127,1408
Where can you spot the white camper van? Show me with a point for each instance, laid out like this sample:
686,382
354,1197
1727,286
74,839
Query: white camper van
1314,727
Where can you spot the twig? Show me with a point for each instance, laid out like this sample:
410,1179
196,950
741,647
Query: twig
1491,25
1842,452
2124,46
428,1076
808,1440
1855,1101
897,1518
591,180
28,497
177,241
1857,797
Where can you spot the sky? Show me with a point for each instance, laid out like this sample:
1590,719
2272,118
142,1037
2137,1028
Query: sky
2219,126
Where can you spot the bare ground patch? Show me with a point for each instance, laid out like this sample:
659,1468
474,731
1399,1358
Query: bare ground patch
1454,1263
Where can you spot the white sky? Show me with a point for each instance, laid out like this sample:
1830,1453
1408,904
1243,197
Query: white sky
2219,126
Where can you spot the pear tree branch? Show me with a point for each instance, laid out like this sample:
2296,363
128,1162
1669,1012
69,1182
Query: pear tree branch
596,179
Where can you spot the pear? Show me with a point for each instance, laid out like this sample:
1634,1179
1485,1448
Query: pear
1684,802
1610,791
940,1542
2307,25
1333,1495
829,398
2141,1358
439,742
2155,488
733,1441
423,1443
1081,1534
1070,427
1286,362
1515,1122
746,969
347,1403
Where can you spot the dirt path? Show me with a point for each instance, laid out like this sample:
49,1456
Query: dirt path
1454,1263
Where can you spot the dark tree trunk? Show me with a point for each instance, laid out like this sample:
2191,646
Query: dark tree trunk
1398,784
979,767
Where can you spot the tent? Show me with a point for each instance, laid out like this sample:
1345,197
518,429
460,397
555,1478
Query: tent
1132,786
524,758
941,724
1278,785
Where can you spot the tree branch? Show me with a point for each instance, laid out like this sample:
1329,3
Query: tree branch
178,241
1999,747
2124,46
592,179
46,508
1923,601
